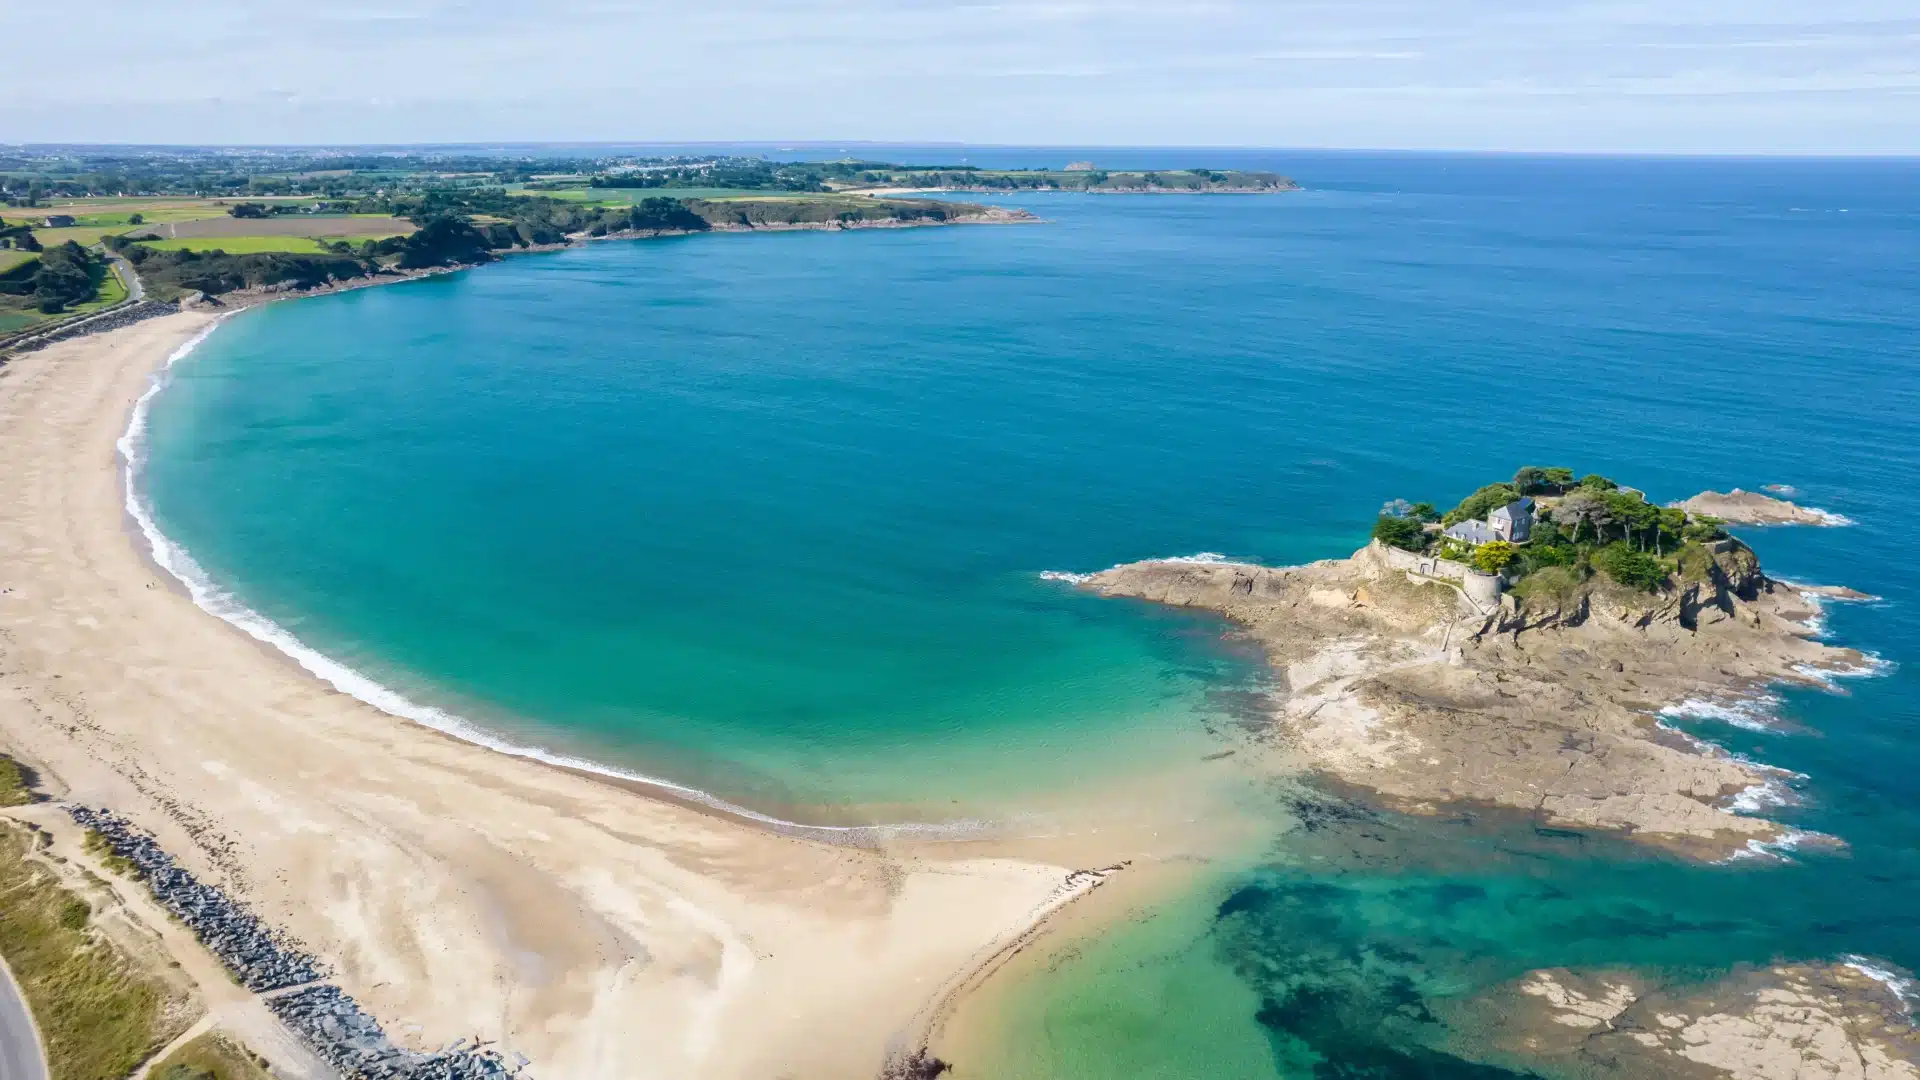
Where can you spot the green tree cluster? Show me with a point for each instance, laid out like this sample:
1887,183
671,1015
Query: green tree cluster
1535,480
1630,567
63,276
170,273
1494,556
446,240
1481,503
1404,533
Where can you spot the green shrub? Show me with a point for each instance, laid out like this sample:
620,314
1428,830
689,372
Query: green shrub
1481,503
1494,556
1539,556
1555,584
1534,480
75,913
1634,569
1696,564
1401,532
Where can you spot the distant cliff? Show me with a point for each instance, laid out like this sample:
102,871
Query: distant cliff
1094,181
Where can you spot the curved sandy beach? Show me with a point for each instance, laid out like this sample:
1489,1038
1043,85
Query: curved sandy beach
457,891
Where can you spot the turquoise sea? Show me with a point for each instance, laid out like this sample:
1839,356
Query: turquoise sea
765,516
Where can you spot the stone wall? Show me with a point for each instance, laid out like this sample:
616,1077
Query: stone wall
1483,589
1424,565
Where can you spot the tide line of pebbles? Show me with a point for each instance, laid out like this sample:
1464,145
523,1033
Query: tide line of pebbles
324,1016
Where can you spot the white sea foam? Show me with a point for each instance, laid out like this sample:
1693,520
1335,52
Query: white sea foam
1750,714
1828,677
1758,798
1816,623
1078,578
216,601
1901,986
1774,849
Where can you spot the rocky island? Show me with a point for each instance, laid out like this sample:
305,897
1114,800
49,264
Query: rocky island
1753,508
1517,652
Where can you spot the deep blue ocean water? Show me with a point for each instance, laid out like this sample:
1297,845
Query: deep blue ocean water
765,515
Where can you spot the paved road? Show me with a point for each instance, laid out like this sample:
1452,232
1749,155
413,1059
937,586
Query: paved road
136,292
19,1042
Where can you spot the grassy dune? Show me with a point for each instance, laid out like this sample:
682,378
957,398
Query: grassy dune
99,1017
209,1057
13,783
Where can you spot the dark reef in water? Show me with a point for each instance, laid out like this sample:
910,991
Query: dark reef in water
1385,946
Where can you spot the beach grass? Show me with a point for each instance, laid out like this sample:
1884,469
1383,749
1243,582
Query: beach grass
97,1015
13,783
210,1057
241,245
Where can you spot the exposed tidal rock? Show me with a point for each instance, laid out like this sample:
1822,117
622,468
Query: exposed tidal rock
1798,1022
1753,508
1400,686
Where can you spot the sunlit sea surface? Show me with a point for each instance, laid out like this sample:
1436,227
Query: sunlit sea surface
765,516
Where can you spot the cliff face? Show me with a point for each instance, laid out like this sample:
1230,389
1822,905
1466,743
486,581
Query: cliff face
1405,690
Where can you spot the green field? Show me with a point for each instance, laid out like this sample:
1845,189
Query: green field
629,196
242,245
84,235
12,257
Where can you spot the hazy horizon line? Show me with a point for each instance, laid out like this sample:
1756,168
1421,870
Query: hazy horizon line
821,144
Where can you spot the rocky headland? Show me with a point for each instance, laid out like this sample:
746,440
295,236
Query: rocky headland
1396,683
1752,508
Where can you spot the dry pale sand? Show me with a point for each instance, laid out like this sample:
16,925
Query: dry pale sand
458,891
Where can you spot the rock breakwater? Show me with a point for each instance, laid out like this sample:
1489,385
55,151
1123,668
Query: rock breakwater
325,1017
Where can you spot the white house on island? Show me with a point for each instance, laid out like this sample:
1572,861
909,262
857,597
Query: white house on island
1512,523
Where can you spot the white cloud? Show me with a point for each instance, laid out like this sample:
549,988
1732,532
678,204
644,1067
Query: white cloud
1640,74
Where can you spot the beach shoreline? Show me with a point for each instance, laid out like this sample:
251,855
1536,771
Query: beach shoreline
456,891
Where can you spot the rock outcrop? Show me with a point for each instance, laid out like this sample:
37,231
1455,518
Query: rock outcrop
1398,685
1752,508
1807,1022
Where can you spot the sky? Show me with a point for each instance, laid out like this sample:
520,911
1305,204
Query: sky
1712,76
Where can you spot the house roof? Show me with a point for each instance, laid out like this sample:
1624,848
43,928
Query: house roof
1513,509
1473,532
